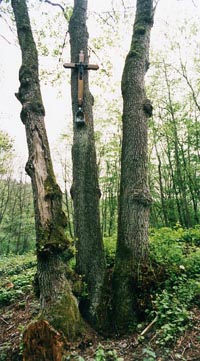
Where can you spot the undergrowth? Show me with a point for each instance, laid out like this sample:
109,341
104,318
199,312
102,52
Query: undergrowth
177,252
173,282
101,354
16,277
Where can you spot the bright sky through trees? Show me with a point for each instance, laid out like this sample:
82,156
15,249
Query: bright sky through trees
58,109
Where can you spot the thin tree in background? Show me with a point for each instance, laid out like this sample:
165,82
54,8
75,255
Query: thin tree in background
135,198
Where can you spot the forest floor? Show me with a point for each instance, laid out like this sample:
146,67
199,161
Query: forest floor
15,317
19,306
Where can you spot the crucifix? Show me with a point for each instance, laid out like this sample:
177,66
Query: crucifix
81,67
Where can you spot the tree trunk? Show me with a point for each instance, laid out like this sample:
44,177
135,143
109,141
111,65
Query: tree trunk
58,305
171,172
135,199
68,208
160,177
190,181
85,188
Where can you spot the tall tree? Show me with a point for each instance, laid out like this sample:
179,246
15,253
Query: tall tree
58,305
135,198
85,188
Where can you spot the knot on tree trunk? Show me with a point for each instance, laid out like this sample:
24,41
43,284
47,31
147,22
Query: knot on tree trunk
29,167
30,108
148,108
141,196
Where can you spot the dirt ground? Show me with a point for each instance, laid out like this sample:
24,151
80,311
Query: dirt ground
14,318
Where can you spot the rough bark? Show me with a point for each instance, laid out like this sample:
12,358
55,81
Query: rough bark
135,198
85,188
58,305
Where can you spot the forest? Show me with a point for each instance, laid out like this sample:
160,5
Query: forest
100,227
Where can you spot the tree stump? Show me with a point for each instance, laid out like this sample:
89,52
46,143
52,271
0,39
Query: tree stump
42,342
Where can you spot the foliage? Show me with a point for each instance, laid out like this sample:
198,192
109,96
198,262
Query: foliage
6,152
172,308
175,247
149,354
177,252
174,129
3,350
110,249
165,245
173,279
17,232
101,354
16,277
106,355
174,142
108,145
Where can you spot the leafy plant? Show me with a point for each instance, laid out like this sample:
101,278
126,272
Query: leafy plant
4,348
100,355
174,253
172,309
149,354
110,249
106,355
17,277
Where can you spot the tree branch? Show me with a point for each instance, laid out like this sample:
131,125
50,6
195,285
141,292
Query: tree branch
102,65
194,4
54,4
5,39
149,326
63,45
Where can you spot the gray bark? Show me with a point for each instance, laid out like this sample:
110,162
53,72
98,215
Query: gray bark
85,188
135,198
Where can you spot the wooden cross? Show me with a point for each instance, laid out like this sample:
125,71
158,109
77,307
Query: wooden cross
81,67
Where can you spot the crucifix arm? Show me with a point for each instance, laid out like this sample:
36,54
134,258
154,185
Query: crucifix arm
69,65
86,66
92,67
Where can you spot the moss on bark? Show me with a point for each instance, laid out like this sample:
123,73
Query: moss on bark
64,316
58,306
